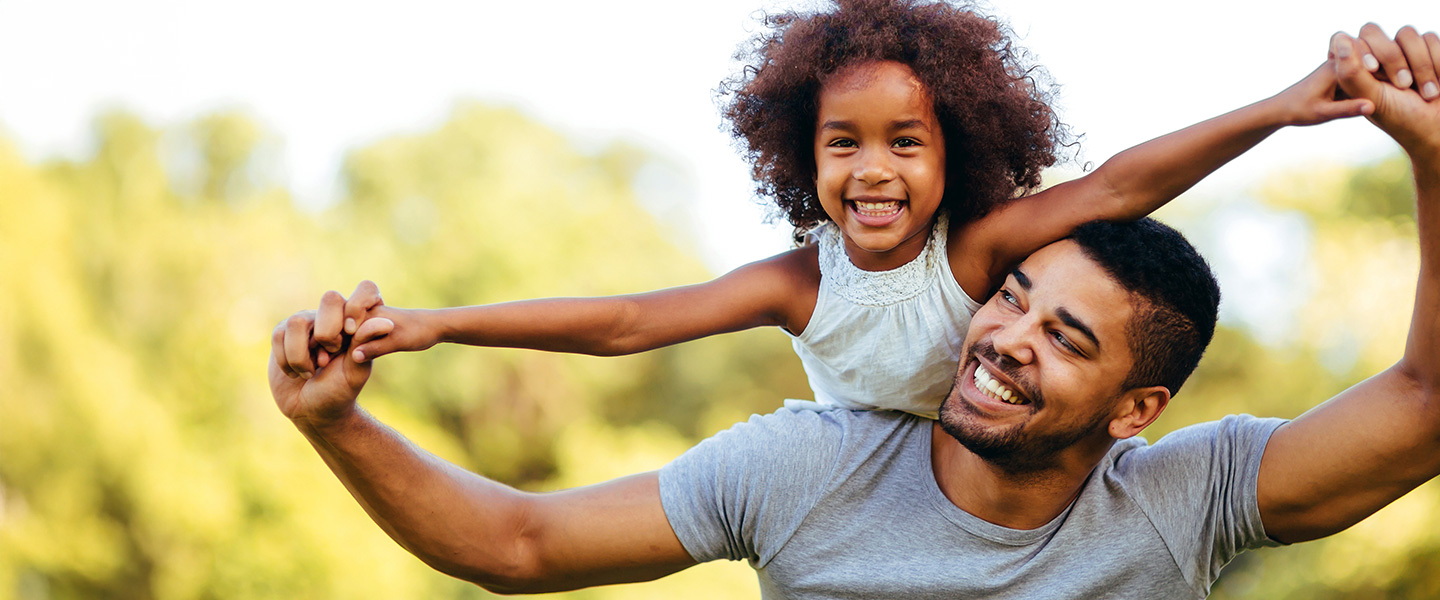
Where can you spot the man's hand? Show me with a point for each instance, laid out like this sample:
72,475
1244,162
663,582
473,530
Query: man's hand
1400,111
1347,458
1406,62
303,392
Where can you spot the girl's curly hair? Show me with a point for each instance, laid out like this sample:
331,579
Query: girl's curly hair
997,122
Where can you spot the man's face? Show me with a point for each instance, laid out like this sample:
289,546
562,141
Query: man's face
1043,362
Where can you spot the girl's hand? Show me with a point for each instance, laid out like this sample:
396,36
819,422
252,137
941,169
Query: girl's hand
1317,99
394,329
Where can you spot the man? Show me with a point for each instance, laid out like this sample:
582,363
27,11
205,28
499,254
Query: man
1029,486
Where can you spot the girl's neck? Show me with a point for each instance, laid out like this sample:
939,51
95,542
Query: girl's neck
891,259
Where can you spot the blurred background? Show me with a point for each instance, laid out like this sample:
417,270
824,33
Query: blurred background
176,177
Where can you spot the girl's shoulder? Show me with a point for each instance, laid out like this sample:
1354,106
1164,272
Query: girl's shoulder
970,252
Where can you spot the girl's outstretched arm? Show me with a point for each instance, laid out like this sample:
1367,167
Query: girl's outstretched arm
778,291
1139,180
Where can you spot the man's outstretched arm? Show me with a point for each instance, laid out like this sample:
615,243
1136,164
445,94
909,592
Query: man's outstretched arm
462,524
1361,450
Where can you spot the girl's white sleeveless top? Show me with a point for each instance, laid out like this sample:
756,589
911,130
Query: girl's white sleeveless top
884,339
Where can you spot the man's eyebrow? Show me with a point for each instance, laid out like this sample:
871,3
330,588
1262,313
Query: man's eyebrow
1070,320
1021,279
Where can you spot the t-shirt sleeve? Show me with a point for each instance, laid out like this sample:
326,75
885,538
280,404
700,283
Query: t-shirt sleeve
741,494
1198,487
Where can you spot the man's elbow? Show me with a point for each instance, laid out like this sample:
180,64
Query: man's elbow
516,570
503,560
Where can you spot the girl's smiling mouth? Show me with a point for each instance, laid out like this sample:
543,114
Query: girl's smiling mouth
876,212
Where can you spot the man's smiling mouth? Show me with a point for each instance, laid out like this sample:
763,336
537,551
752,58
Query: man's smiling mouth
988,385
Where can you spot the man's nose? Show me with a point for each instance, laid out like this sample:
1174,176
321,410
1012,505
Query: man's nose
1016,340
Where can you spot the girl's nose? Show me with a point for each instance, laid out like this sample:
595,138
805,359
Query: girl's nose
874,169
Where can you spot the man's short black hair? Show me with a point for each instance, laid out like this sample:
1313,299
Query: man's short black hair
1173,292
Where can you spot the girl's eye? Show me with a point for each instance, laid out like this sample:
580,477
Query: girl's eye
906,143
842,143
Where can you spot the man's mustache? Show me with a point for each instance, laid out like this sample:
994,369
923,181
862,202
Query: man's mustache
1010,369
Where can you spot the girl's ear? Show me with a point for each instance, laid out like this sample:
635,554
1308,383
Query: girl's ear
1137,409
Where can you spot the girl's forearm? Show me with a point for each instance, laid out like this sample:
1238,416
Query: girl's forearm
1145,177
596,326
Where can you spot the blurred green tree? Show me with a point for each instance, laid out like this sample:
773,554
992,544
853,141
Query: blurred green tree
142,457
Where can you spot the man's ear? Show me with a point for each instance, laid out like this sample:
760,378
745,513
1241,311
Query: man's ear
1137,409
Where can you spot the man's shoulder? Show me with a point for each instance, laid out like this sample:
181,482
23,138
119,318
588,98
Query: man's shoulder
790,427
1184,442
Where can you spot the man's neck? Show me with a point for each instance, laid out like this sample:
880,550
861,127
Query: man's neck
1015,500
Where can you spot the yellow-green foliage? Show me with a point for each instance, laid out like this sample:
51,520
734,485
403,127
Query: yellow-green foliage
141,457
140,453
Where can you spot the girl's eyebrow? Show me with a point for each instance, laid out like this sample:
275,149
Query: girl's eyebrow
909,123
894,125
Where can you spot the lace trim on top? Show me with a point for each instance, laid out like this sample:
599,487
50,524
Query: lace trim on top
879,288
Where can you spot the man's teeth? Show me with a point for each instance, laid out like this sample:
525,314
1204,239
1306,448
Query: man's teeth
987,385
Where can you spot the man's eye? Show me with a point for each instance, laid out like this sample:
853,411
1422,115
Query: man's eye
1064,342
1008,297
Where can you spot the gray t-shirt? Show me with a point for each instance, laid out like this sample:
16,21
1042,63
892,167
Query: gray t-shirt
843,504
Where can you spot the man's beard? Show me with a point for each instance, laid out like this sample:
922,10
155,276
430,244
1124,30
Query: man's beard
1014,449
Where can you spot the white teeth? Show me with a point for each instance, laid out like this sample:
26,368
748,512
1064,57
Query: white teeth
877,206
986,383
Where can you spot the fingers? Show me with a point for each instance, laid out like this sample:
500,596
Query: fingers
1432,42
364,348
277,350
1343,109
1389,55
290,345
327,321
365,297
1354,77
1422,59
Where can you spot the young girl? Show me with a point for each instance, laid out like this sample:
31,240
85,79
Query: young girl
906,138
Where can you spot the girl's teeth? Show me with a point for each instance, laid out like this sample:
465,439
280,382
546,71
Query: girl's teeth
877,207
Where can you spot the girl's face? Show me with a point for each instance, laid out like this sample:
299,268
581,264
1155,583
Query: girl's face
879,162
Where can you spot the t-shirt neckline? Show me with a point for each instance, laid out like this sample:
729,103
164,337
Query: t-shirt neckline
970,523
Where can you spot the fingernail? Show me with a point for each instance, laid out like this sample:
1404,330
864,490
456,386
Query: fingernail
349,325
304,375
1430,91
359,356
1370,63
1342,48
1403,79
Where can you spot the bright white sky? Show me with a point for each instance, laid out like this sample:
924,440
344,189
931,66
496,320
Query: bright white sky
326,76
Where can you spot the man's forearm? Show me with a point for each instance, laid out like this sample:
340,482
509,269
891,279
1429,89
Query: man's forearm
1422,348
455,521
